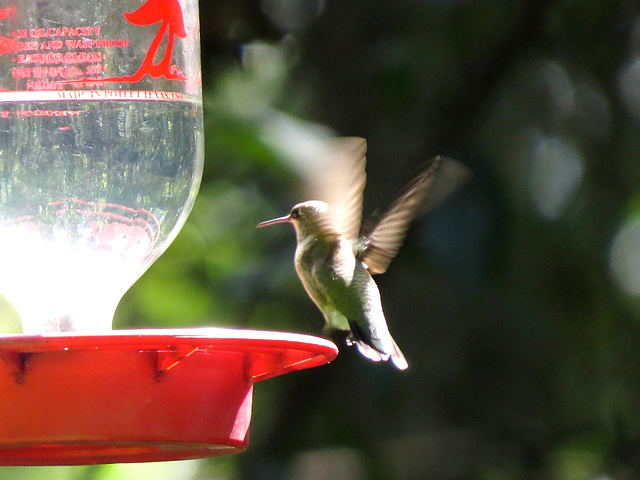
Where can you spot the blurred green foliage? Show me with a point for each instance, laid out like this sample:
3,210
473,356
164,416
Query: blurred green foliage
516,302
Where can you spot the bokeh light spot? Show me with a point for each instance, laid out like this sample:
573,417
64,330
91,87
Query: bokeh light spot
624,260
557,170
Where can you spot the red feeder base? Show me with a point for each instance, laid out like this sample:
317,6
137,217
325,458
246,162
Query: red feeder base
138,395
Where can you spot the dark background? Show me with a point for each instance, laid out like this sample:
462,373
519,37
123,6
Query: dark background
515,302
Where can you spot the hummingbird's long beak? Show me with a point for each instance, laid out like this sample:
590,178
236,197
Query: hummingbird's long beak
285,219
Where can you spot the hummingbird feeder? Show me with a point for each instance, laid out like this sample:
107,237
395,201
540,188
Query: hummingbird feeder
137,396
102,154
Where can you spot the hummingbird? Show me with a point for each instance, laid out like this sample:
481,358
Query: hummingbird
336,256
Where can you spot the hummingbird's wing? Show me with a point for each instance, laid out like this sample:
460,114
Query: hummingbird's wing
332,168
378,247
339,180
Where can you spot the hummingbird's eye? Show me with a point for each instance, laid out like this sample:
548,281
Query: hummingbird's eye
295,213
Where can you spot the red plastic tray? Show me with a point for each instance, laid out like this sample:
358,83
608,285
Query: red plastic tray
138,395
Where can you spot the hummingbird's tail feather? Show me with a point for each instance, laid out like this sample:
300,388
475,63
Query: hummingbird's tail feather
397,357
367,349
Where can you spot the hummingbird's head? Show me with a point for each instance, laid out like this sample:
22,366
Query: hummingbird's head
311,218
